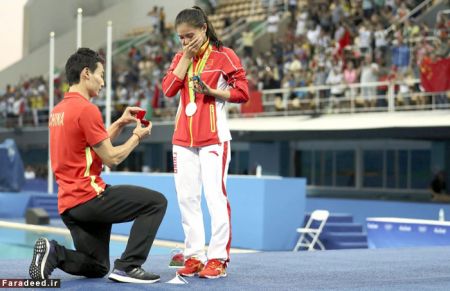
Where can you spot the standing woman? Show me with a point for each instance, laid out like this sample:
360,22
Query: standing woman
208,75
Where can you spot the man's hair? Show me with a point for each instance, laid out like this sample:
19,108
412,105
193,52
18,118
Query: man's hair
83,58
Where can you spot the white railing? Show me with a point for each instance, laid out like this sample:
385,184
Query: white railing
367,97
312,100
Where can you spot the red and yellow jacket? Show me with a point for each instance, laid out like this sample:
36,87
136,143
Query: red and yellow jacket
223,70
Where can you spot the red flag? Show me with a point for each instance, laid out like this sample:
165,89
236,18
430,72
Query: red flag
155,100
254,103
435,76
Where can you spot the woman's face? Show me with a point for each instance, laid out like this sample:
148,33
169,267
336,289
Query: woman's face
187,33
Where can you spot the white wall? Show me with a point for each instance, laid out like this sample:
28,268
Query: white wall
43,16
124,14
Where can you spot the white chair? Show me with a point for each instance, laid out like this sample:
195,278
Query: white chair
310,233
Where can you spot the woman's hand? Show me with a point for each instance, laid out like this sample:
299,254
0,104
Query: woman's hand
192,48
201,87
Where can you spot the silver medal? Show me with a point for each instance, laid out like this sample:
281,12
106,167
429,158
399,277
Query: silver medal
191,108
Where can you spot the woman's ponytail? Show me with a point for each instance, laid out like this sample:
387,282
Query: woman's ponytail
196,17
210,32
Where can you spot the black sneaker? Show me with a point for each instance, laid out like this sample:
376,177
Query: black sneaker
44,259
137,275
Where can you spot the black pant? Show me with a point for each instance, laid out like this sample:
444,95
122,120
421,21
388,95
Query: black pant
90,226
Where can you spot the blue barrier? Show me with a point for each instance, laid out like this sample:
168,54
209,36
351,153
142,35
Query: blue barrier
13,204
361,209
390,232
264,211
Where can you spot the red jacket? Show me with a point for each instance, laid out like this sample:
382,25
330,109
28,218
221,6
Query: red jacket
208,125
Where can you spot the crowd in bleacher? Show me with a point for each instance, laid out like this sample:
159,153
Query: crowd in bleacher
327,43
334,43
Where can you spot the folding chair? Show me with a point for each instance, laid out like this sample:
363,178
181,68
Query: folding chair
310,233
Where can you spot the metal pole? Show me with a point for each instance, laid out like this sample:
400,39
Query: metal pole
79,26
108,76
51,91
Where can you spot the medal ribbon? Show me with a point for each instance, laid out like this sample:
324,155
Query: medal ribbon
198,70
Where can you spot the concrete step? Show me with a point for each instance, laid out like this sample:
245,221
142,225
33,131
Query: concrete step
326,237
346,245
335,218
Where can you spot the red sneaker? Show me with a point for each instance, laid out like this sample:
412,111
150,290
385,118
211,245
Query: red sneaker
191,267
214,269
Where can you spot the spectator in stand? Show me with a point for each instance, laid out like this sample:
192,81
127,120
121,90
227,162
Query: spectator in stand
381,43
410,29
154,19
422,49
248,40
368,8
36,103
337,12
400,55
335,80
162,20
365,38
302,17
288,83
10,99
19,108
391,4
351,76
402,11
369,72
273,21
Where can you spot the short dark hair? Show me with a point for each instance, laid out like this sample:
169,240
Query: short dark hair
83,58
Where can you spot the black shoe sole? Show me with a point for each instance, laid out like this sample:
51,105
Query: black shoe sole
40,255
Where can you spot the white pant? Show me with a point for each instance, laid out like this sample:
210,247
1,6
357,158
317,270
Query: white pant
208,166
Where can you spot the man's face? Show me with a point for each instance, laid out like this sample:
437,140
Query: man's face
95,81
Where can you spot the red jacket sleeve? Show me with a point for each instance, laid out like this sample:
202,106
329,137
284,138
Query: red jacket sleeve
171,84
236,78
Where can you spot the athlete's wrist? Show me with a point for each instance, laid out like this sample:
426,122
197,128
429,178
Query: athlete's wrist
138,136
120,122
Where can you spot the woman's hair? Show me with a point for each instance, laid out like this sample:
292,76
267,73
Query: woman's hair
196,17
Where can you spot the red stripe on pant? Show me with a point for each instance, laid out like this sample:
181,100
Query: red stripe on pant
224,191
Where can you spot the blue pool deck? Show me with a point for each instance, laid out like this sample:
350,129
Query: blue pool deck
369,269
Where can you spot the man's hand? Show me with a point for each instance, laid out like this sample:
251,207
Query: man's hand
140,131
129,115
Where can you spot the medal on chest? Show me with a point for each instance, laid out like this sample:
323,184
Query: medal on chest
191,107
